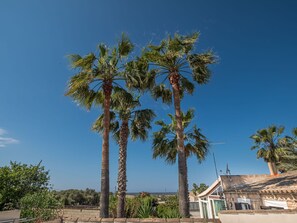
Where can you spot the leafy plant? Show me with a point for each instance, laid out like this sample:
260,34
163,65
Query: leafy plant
17,180
42,206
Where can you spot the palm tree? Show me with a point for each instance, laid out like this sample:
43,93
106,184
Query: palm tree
271,146
174,60
93,85
134,123
165,141
288,162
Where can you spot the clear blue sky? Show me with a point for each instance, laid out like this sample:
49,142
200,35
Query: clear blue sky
253,86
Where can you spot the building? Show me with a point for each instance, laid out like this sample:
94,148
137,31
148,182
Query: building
241,192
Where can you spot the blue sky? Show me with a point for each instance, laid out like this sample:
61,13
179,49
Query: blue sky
253,85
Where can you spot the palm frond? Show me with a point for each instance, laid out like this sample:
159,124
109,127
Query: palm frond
160,91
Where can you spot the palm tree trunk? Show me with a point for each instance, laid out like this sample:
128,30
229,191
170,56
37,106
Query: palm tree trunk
122,177
183,193
272,168
104,196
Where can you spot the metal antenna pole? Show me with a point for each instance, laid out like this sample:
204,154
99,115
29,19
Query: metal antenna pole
215,164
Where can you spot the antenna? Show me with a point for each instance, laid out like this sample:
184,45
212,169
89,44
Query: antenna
215,164
228,172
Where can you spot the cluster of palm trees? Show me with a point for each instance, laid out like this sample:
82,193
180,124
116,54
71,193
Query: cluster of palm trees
280,152
114,81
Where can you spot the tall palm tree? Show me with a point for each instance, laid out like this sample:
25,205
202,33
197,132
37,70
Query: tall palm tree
93,85
165,141
271,146
126,121
174,60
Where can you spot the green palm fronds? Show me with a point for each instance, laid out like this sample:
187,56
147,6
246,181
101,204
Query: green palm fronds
165,140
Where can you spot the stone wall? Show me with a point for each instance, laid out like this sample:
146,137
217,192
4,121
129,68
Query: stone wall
259,216
146,220
13,214
75,214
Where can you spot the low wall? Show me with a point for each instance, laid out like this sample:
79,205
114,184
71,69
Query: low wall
143,220
13,214
258,216
72,214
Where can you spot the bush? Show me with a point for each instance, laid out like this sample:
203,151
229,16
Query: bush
42,206
169,209
17,180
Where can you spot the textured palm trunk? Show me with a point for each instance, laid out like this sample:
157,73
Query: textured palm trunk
104,196
183,193
122,177
272,168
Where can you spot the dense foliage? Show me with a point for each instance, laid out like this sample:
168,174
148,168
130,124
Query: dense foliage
277,149
75,197
18,180
42,206
199,189
147,206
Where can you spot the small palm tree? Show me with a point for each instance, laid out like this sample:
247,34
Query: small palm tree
174,60
271,146
288,162
97,76
165,140
126,120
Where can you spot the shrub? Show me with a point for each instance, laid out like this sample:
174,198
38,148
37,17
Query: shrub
42,206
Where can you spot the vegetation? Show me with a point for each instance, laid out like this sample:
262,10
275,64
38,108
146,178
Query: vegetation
275,149
101,77
199,189
288,162
126,120
74,197
146,206
18,180
165,140
42,206
98,76
174,60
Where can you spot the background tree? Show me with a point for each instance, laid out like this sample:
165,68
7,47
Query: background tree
174,60
75,197
93,85
288,162
18,180
199,189
271,145
127,121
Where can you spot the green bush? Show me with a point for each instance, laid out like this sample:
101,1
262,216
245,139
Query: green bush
18,180
169,209
42,206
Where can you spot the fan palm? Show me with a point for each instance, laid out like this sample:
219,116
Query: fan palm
93,84
271,146
126,121
174,60
288,161
165,141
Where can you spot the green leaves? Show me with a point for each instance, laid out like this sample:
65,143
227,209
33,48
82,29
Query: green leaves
125,46
175,55
18,179
272,147
165,140
160,91
199,65
43,206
